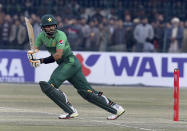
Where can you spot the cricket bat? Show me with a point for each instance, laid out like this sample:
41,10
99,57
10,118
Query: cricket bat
30,33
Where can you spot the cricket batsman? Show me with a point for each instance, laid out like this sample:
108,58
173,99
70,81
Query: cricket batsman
68,69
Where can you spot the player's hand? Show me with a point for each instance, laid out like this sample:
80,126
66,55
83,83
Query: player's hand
31,54
35,62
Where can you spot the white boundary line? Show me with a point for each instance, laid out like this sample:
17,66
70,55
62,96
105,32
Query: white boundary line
109,122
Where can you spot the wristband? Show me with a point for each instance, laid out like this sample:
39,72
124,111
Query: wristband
47,60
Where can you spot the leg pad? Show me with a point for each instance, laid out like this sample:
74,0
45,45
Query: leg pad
57,96
98,99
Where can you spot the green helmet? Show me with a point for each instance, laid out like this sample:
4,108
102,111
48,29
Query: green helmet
48,20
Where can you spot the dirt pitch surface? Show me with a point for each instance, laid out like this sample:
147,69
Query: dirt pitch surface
23,107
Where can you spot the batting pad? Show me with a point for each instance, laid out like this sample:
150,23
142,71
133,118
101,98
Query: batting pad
99,100
57,96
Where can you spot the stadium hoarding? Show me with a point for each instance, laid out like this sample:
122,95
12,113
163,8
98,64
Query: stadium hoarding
14,67
149,69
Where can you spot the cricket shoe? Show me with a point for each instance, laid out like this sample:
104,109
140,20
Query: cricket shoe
120,111
69,116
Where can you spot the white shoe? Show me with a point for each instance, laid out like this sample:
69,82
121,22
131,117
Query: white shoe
68,116
120,111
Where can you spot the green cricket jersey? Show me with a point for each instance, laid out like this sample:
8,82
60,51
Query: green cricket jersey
58,41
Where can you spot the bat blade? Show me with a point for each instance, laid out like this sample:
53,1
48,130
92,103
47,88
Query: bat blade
30,33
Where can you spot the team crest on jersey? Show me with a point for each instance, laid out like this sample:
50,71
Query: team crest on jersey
61,42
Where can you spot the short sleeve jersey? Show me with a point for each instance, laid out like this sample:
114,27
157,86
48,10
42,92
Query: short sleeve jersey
58,41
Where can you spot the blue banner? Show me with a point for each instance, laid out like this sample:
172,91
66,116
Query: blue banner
15,67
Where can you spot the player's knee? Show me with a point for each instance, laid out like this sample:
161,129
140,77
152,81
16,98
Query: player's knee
54,83
45,86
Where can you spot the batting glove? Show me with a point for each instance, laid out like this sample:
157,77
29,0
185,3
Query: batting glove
31,55
35,62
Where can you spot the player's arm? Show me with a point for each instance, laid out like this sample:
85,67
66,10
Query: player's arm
60,39
56,56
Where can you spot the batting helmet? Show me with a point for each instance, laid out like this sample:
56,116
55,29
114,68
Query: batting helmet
48,20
